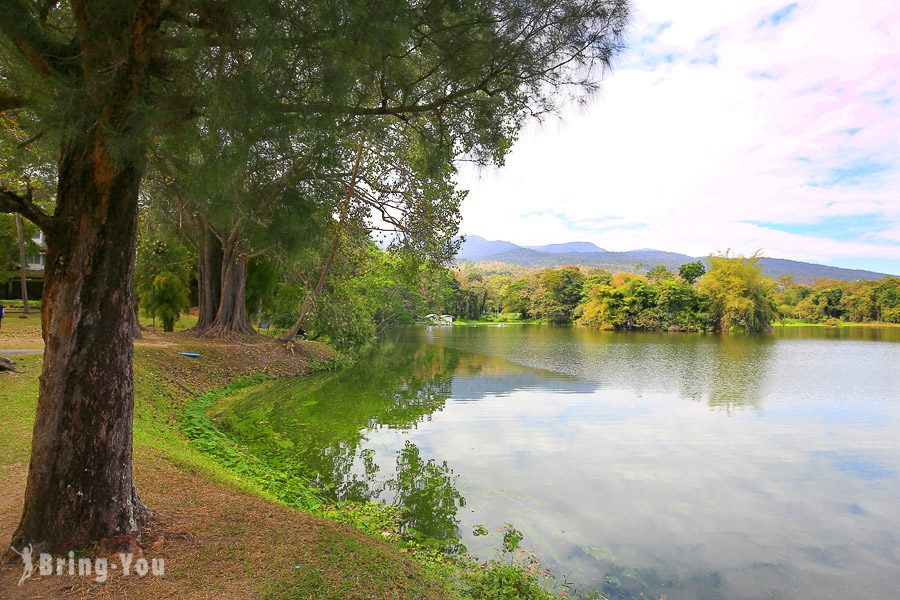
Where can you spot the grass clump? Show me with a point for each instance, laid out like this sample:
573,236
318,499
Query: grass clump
202,432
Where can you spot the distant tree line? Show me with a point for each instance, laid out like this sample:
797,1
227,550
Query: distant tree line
828,300
726,293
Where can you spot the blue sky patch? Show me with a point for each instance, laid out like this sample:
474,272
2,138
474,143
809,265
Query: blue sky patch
709,59
852,173
837,228
652,36
778,17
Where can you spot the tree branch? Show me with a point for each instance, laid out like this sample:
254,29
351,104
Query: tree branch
9,102
11,202
45,54
384,109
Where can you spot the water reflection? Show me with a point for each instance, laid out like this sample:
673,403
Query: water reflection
426,489
695,466
737,379
318,427
726,372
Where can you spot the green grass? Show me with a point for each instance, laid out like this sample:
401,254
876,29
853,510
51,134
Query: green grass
184,322
156,428
830,323
18,400
309,581
17,303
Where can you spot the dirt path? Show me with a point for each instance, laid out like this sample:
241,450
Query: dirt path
220,543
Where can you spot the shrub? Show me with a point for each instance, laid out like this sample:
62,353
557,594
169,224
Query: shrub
168,299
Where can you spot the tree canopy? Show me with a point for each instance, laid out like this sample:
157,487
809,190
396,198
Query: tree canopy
250,111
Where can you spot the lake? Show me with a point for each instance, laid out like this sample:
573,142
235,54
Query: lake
698,466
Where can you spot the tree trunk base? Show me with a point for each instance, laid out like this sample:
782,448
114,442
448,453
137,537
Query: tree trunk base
128,542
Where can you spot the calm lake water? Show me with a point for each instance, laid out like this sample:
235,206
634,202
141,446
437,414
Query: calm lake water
695,466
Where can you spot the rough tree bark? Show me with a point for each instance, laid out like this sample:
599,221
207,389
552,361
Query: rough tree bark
80,488
231,317
231,312
209,278
23,267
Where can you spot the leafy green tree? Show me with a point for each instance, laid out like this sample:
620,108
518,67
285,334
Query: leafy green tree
168,299
263,276
159,251
560,292
887,298
692,271
856,301
595,277
438,287
516,297
740,296
390,282
659,274
680,306
628,302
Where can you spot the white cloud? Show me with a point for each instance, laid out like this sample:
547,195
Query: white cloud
687,155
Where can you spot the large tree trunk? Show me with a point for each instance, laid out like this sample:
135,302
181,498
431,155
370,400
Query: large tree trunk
23,267
209,278
231,314
80,488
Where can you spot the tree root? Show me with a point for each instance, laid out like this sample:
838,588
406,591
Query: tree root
217,332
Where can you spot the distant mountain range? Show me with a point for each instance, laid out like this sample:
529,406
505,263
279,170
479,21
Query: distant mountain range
568,248
479,249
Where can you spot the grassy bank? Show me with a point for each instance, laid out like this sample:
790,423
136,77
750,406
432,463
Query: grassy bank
222,534
830,323
229,527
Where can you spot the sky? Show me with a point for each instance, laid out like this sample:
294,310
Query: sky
743,125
